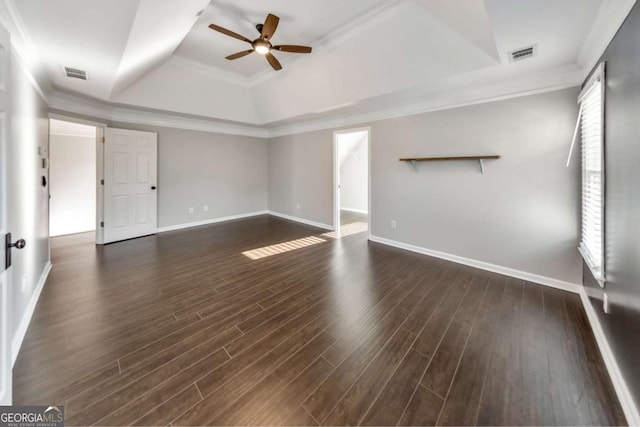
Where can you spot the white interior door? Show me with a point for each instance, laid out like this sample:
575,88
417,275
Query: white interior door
5,339
130,180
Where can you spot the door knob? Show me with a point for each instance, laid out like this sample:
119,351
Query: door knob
19,244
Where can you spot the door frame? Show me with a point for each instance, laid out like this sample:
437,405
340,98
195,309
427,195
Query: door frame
100,131
336,177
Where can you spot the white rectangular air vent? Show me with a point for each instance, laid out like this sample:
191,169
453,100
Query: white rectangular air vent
524,53
74,73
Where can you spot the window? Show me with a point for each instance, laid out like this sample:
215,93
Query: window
592,132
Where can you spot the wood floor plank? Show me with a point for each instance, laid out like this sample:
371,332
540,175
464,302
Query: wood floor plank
323,400
501,402
392,401
184,328
285,408
445,360
463,400
356,402
220,387
423,409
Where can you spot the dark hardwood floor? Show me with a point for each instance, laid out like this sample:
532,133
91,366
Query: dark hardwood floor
268,322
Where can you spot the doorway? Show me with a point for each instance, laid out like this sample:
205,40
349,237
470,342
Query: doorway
72,178
351,181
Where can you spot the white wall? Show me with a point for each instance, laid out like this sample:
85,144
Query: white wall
522,214
72,184
354,159
28,205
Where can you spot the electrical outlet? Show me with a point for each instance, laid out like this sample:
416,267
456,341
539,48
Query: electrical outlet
297,206
605,303
205,208
190,210
394,224
24,283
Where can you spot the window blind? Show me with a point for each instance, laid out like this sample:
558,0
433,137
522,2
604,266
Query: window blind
591,126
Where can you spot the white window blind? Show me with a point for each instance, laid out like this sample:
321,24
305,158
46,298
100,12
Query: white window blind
592,132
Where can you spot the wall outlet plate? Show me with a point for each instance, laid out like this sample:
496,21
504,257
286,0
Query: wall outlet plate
205,208
394,224
190,210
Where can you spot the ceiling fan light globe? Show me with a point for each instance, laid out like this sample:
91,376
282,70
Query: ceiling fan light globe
262,50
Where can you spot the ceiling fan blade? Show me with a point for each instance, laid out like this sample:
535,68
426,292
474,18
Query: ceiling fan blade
273,61
239,54
229,33
269,26
293,48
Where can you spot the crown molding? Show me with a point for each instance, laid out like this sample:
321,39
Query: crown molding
11,19
541,82
609,19
23,49
100,110
530,84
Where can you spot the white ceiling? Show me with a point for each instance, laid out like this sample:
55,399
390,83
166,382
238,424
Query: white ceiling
368,54
302,22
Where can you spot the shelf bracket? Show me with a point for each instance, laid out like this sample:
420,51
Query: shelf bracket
481,166
414,163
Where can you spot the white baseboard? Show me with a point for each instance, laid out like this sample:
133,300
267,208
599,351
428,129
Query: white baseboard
631,412
530,277
209,221
362,211
301,220
16,343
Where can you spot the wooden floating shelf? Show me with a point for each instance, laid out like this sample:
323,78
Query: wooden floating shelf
414,160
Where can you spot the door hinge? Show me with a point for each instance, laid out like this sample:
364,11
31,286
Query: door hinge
102,182
103,139
102,224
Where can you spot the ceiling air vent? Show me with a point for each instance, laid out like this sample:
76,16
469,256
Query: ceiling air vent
74,73
524,53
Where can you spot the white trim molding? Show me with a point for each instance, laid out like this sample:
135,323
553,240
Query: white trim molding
20,333
478,93
301,220
518,274
64,102
623,392
210,221
609,19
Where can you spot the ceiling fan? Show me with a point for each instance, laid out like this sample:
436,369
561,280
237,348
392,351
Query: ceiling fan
262,45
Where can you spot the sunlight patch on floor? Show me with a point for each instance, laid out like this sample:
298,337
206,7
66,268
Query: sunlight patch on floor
280,248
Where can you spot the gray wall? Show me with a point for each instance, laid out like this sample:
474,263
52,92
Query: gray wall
72,184
301,176
225,172
27,200
522,214
622,203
